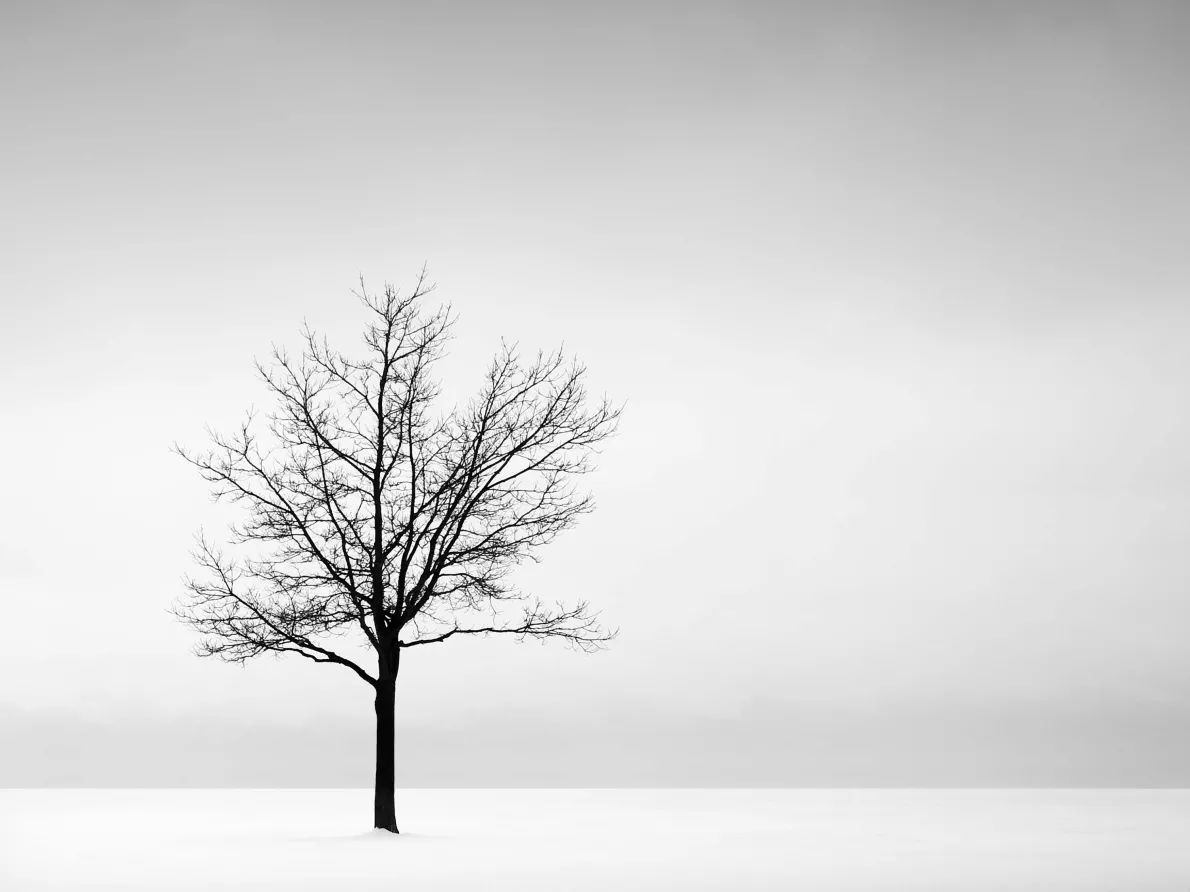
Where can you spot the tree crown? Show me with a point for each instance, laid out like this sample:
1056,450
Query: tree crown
367,512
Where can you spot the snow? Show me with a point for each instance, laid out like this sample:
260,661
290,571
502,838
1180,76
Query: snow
558,840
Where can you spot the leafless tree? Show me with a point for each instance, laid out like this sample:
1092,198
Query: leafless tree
369,515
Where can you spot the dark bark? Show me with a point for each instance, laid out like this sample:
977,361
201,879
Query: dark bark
384,807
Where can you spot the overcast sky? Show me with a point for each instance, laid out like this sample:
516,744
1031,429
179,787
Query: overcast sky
896,296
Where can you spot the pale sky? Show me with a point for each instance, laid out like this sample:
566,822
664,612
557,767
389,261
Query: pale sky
896,296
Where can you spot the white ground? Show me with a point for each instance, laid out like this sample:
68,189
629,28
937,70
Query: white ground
561,840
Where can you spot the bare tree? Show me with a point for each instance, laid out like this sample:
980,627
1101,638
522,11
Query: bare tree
369,516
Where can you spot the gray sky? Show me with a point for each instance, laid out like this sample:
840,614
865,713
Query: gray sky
895,293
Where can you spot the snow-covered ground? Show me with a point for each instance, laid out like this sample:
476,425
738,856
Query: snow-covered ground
560,840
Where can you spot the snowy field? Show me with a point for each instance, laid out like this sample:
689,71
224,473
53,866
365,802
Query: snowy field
559,840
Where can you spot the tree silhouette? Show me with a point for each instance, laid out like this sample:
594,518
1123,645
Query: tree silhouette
369,515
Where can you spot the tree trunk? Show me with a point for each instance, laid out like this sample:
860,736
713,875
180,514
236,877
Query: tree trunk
384,807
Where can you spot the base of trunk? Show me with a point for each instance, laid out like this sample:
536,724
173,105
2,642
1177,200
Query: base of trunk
384,812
